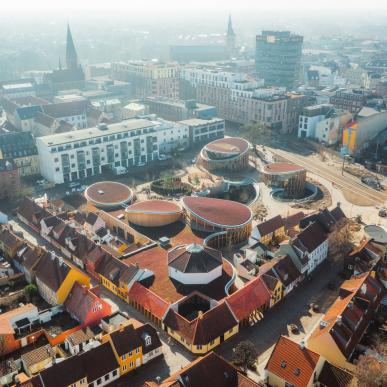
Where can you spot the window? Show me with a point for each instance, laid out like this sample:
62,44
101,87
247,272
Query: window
107,377
148,340
124,367
130,354
137,350
199,347
212,342
99,381
131,364
123,357
115,373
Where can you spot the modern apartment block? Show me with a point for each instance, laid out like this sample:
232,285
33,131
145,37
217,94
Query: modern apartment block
278,58
202,131
241,99
178,110
78,154
149,78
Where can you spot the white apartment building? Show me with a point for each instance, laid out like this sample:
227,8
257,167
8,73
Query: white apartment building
323,123
203,131
78,154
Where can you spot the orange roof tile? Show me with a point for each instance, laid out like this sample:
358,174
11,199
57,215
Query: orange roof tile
292,363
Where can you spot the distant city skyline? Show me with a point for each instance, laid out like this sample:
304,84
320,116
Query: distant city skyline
177,6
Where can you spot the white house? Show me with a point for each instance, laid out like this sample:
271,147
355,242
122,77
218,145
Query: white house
312,242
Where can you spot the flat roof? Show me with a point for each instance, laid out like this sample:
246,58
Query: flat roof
108,193
228,145
282,168
154,207
86,134
200,121
218,212
10,86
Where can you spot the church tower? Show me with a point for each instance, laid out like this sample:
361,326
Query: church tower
230,38
71,54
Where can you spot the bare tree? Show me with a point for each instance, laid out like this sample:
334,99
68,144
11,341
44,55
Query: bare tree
371,369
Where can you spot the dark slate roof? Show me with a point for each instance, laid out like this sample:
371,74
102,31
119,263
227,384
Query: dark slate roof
270,225
52,271
65,109
64,374
286,270
28,112
66,75
310,238
17,144
195,258
147,330
334,377
98,362
91,218
125,339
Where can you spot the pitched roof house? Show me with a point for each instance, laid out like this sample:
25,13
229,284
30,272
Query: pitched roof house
345,323
85,306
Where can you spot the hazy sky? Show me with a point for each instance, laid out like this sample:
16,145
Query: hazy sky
143,6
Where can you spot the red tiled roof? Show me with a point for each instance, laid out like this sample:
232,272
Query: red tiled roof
154,206
252,296
148,300
292,363
282,168
218,212
155,260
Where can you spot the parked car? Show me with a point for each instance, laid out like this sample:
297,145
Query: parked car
74,184
140,164
382,213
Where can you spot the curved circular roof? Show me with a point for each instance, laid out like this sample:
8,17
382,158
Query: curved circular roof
218,212
194,258
162,207
108,194
229,146
377,233
278,168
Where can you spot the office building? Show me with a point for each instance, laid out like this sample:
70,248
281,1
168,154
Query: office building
351,100
202,131
278,58
78,154
149,78
177,110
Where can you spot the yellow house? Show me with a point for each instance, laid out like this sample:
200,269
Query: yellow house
205,332
55,278
127,348
116,276
272,229
274,286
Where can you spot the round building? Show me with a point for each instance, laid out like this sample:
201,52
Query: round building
231,153
195,264
108,195
289,177
153,213
230,221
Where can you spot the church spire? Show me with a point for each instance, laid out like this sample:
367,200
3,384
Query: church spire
230,30
71,54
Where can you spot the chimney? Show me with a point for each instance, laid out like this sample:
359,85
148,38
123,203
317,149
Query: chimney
200,314
338,204
350,304
339,319
363,288
302,345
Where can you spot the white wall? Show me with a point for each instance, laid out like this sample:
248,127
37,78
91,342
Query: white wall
195,278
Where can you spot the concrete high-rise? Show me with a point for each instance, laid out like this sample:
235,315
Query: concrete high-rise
278,58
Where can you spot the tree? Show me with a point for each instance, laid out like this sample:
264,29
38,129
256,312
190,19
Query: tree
341,239
245,355
371,368
257,133
30,291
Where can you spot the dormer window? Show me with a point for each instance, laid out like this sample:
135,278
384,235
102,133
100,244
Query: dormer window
148,341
